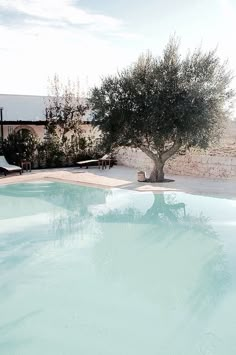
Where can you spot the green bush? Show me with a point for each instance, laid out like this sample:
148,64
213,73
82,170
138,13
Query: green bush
19,146
52,152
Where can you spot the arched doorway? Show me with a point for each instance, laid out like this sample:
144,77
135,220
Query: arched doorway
25,130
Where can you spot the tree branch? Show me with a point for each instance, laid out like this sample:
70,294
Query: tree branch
149,153
169,152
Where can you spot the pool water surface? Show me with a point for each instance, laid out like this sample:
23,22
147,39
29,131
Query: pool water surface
115,272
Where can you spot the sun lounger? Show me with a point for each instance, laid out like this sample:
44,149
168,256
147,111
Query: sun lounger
86,163
102,162
8,168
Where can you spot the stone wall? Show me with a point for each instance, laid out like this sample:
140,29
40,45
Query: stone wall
202,165
217,162
189,164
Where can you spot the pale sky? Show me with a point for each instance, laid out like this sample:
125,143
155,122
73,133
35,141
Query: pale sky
86,40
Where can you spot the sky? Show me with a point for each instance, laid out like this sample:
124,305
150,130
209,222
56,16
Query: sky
84,40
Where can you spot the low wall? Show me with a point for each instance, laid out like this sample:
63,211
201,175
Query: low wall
189,164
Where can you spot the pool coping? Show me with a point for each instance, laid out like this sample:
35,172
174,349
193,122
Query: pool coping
93,179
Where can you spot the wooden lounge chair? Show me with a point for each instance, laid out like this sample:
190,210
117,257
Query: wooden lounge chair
102,162
8,168
88,163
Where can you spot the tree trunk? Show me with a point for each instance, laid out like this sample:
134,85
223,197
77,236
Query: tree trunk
157,174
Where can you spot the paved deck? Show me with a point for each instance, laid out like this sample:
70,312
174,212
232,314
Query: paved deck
126,178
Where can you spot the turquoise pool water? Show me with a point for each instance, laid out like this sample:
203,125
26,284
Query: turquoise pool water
115,272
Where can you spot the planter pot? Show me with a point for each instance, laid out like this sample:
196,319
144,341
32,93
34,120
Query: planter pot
141,176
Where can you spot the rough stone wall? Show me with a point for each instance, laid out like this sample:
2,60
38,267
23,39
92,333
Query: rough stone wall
202,165
216,162
189,164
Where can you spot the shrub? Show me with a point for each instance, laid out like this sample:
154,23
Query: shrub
20,145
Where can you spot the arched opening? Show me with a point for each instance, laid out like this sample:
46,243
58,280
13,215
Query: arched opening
25,131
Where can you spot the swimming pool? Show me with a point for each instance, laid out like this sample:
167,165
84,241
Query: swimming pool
115,272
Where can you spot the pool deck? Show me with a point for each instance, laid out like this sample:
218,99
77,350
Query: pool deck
126,178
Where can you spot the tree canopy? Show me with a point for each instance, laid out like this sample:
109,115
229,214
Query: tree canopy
160,104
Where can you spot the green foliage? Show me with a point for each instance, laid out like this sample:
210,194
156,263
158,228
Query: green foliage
50,153
20,145
53,153
89,148
161,104
1,148
64,110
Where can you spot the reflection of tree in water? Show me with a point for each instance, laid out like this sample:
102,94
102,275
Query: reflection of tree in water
165,254
75,215
68,209
171,259
166,223
164,212
159,212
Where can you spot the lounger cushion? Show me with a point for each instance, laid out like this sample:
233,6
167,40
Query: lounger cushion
11,168
87,161
6,166
106,156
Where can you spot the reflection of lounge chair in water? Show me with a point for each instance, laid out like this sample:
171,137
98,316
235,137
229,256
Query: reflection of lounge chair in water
177,206
8,168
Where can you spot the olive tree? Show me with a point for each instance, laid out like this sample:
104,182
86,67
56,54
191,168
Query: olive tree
160,104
